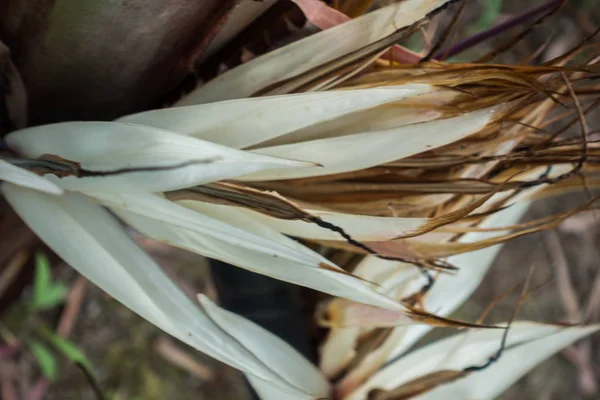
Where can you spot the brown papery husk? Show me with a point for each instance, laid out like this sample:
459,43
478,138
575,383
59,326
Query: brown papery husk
418,385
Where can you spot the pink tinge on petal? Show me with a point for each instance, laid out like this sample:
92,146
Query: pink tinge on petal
320,14
346,313
325,17
398,248
401,55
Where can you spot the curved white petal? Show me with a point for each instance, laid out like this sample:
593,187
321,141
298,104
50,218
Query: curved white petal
160,209
370,364
359,151
247,122
528,344
443,298
270,349
313,51
375,119
360,227
172,161
92,241
22,177
240,242
301,274
492,382
397,280
338,350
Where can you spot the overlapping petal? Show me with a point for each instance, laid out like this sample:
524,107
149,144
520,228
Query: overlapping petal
92,241
442,299
359,227
301,56
365,150
528,344
25,178
265,118
120,157
240,241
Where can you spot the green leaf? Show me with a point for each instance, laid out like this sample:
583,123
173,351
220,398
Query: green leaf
67,348
490,14
42,276
46,294
45,359
53,296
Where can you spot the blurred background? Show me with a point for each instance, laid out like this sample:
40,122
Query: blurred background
133,360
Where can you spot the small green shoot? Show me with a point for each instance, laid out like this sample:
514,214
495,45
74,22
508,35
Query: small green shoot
46,294
45,359
66,347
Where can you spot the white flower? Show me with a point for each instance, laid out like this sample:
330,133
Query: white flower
92,241
126,163
129,166
528,344
123,164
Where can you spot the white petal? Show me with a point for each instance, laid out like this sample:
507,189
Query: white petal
111,146
163,210
306,54
492,382
92,241
443,298
397,280
22,177
240,242
370,364
359,151
271,350
338,350
305,275
247,122
360,227
400,278
371,120
528,344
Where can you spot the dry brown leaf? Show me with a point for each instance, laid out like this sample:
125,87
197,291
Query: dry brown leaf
268,203
417,386
342,313
325,17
